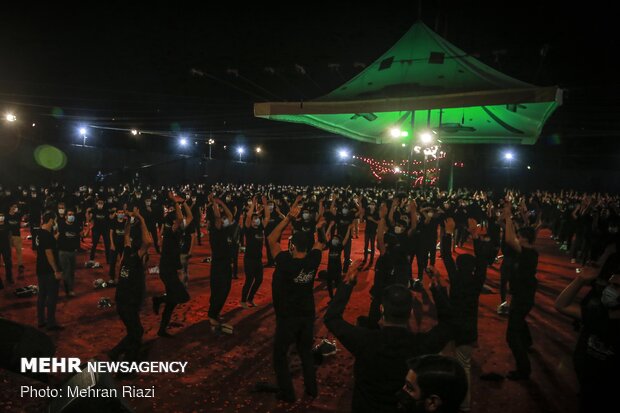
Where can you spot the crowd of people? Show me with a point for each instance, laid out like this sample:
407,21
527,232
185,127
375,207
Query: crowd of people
395,368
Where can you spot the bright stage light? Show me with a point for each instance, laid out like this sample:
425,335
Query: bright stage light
508,156
426,137
82,131
343,154
529,167
397,170
211,141
240,150
258,149
395,132
134,132
10,117
183,141
403,145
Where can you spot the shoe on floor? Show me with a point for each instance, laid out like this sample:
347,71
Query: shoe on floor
326,347
503,308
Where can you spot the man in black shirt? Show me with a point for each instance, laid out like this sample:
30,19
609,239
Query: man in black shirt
293,302
14,220
221,236
253,258
344,219
48,273
131,288
381,355
5,249
117,238
68,245
275,217
100,220
523,285
152,214
371,216
170,264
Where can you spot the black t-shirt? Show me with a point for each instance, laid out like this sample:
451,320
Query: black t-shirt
254,238
14,222
100,218
44,240
118,233
391,268
5,234
222,242
292,284
523,283
170,249
334,257
343,221
131,281
68,236
371,227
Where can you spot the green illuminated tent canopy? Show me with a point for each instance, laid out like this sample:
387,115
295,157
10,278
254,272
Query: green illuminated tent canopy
425,83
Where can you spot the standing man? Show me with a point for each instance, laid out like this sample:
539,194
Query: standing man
14,220
371,216
253,258
131,289
170,264
48,273
523,288
5,250
221,236
100,227
68,245
293,302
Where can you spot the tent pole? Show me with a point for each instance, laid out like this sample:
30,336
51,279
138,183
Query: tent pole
410,160
451,177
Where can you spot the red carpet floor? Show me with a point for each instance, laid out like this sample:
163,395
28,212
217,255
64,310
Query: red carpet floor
223,369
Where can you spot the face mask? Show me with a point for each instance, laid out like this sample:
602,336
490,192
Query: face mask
71,219
110,200
225,222
372,207
335,242
34,196
154,198
398,230
610,297
61,211
193,199
256,222
147,203
613,230
228,199
345,211
138,196
1,219
99,206
16,210
305,216
55,227
25,193
270,208
249,202
120,217
430,214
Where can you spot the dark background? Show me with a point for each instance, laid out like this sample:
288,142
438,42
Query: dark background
195,71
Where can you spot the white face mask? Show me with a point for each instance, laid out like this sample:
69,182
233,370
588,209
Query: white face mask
610,297
61,211
430,214
225,222
345,211
256,222
305,216
398,230
270,208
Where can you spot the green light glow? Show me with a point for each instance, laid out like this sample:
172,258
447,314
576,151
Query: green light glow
50,157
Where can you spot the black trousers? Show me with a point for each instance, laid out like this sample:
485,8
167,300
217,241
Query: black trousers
334,277
47,299
425,252
5,252
518,335
98,233
298,331
347,256
253,278
505,271
369,244
130,344
176,293
220,282
114,255
374,313
235,261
